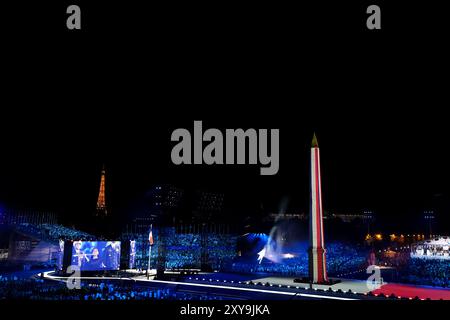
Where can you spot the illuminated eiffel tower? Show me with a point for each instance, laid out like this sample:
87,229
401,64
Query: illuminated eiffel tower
101,202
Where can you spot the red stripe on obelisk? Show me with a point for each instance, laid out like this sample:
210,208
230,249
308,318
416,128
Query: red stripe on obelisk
318,218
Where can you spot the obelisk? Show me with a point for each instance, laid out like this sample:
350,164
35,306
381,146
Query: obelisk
317,252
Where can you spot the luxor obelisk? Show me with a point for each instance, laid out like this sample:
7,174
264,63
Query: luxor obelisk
317,252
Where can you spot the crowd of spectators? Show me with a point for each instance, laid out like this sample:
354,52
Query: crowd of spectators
53,232
341,258
184,250
38,289
59,232
427,272
344,258
220,249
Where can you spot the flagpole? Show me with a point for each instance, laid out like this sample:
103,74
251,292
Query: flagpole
149,253
149,257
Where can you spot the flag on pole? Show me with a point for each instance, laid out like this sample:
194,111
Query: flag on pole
150,236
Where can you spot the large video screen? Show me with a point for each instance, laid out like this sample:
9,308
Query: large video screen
96,255
132,260
60,255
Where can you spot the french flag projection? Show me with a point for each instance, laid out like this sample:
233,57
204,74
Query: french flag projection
317,252
150,241
150,236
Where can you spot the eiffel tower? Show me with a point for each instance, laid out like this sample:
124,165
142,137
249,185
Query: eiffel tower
101,210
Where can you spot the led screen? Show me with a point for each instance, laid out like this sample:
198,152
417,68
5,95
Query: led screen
60,255
96,255
132,261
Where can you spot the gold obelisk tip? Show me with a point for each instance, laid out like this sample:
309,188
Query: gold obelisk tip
314,143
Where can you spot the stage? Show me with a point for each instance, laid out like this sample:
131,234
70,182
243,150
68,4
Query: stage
264,287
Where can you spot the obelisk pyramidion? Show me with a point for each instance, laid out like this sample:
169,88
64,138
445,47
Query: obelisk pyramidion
317,261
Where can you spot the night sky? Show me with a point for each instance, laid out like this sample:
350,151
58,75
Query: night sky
377,104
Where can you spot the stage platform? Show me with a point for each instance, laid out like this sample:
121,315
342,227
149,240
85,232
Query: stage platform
359,286
411,291
224,288
266,287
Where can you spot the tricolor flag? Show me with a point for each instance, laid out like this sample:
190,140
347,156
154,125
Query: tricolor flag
150,236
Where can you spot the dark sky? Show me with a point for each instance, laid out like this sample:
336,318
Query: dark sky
115,95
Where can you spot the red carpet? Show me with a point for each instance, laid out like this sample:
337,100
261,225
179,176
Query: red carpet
410,291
